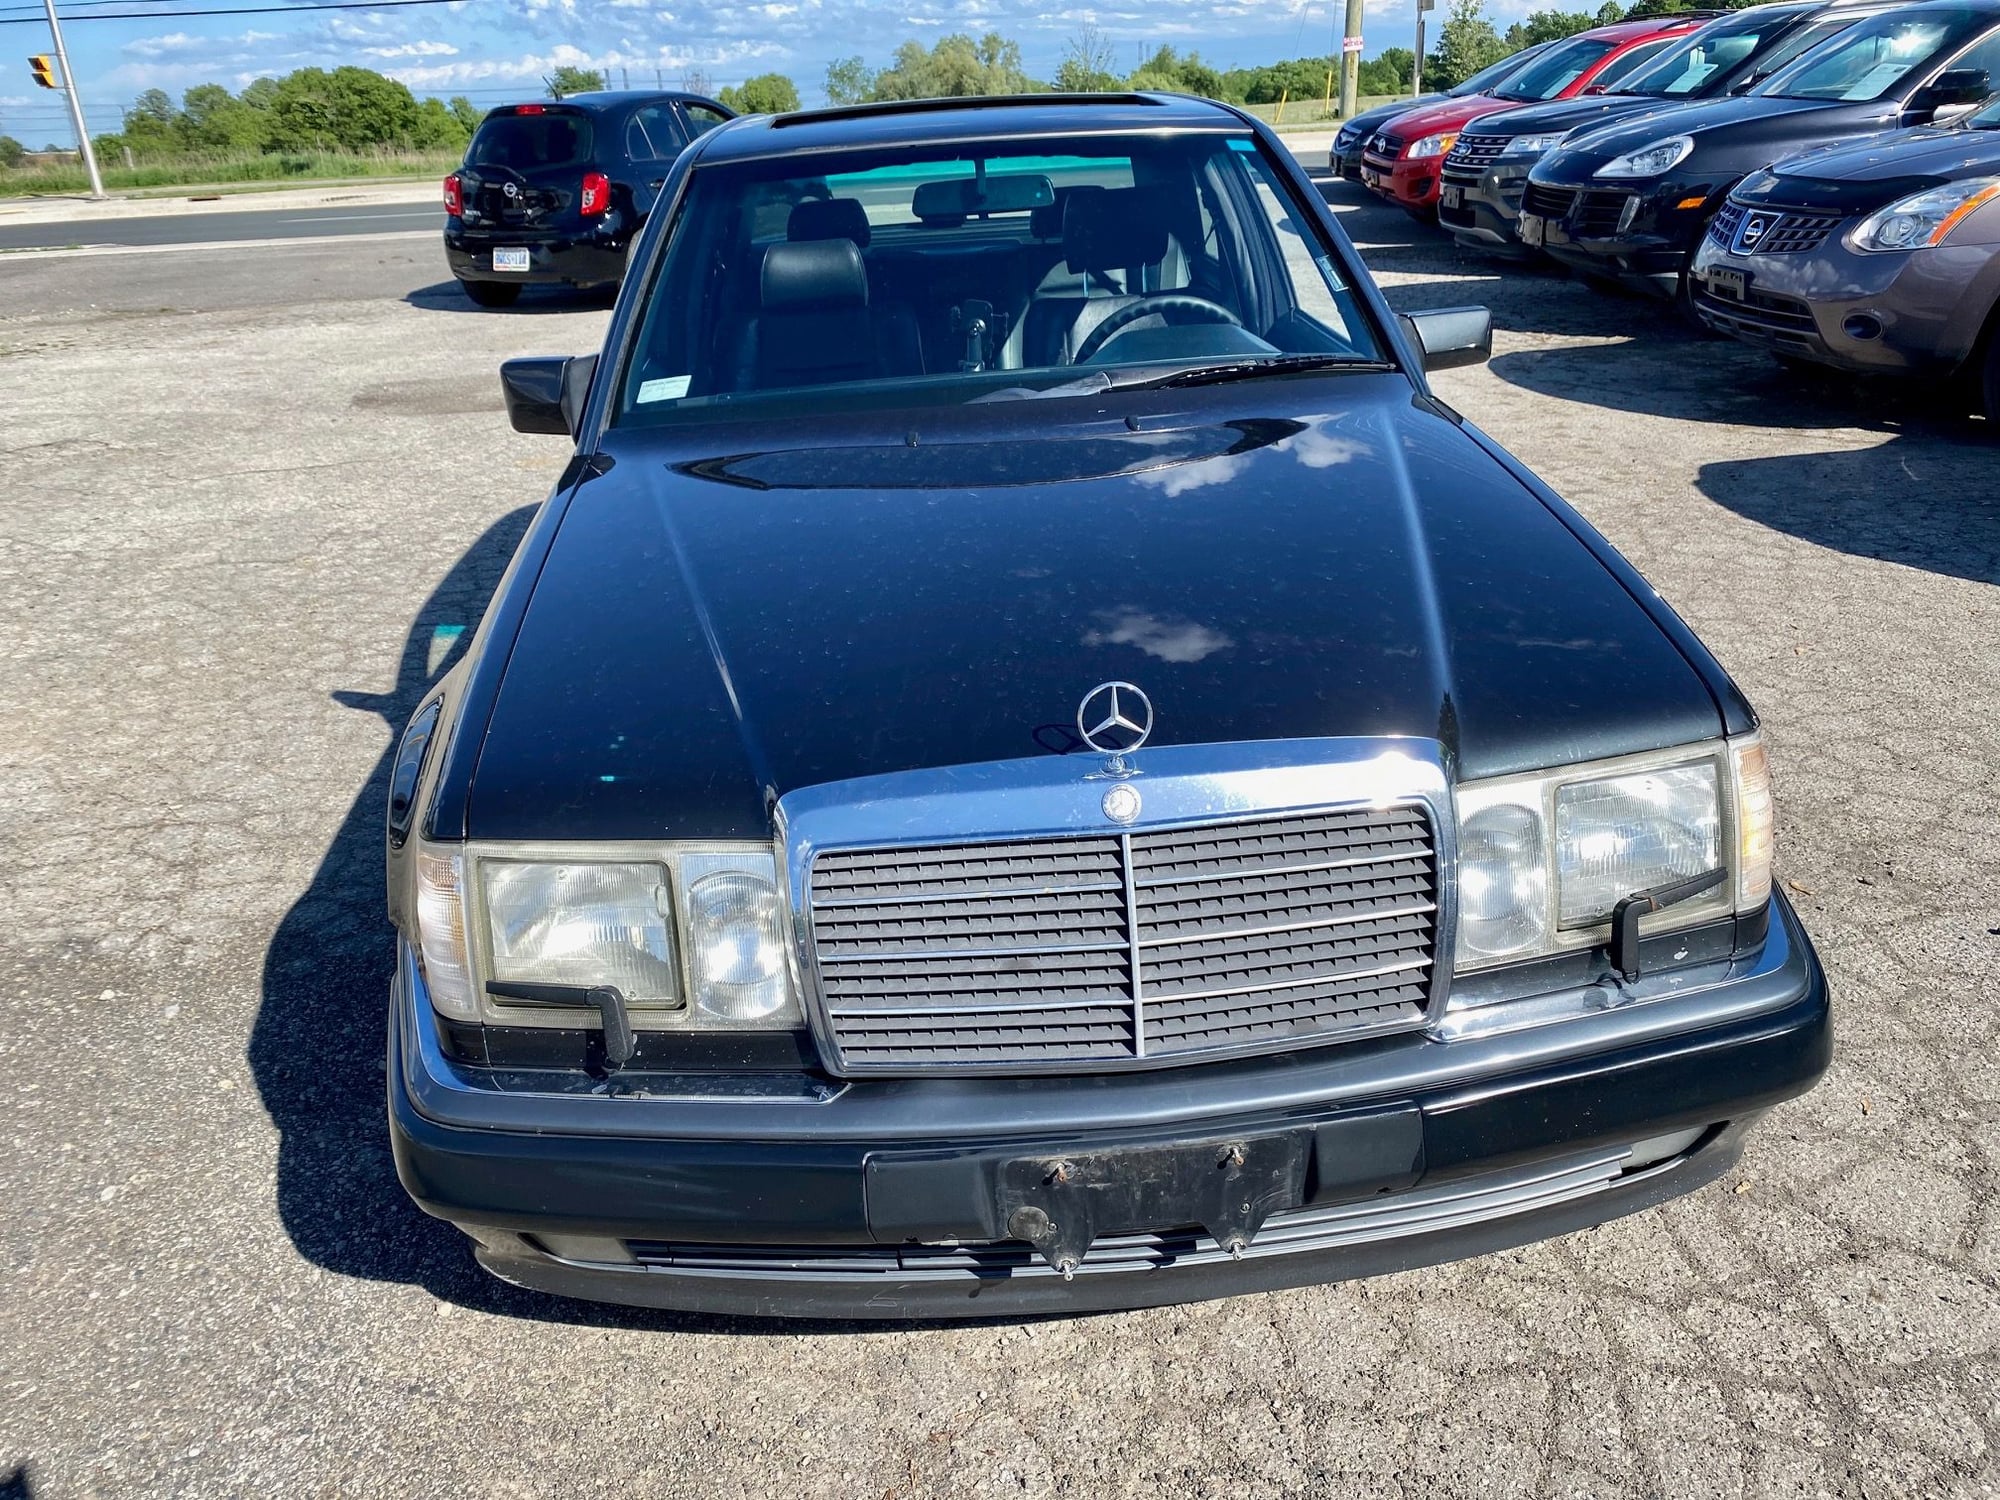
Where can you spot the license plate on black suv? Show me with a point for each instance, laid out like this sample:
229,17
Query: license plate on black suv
1451,196
1726,281
1533,229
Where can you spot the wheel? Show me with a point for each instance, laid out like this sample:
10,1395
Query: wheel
493,293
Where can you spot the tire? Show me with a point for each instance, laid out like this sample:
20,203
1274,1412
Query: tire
493,293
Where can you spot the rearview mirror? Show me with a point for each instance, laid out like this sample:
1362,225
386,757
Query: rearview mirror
1451,336
1954,86
956,197
547,394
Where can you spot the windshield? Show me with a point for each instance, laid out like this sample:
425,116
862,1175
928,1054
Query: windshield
1482,81
1869,59
940,276
1555,70
525,142
1988,116
1703,62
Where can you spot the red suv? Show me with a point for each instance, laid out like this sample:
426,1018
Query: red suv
1401,162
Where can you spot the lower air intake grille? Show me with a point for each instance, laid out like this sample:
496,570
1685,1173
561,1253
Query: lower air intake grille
1126,949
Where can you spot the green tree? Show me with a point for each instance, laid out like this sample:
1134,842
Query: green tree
1467,42
570,79
153,126
1548,26
1389,73
467,114
349,109
260,93
213,119
11,151
1168,72
849,81
437,128
1088,60
957,67
766,94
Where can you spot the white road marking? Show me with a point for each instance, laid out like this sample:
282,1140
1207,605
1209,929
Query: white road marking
57,252
417,213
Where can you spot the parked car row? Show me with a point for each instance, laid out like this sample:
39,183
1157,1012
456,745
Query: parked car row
1817,177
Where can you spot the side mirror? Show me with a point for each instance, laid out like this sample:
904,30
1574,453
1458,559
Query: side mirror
1952,87
547,394
1448,337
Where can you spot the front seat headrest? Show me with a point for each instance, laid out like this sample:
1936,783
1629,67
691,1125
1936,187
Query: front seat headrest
813,276
1113,229
829,219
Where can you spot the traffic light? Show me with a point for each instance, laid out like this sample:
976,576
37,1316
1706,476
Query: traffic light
44,69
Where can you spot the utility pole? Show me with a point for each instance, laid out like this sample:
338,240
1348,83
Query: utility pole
75,106
1417,67
1351,59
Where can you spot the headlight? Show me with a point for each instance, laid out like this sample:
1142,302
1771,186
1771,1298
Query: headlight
691,936
1432,145
1544,859
1533,145
1925,218
1650,161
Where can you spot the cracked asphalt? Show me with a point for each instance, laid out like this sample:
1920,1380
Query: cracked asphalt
251,501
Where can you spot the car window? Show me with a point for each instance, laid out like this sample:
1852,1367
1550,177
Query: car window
653,134
1871,58
1798,44
702,119
1628,63
1983,56
1495,73
531,138
954,274
1555,70
1700,61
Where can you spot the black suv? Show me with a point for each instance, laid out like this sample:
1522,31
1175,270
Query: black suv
553,193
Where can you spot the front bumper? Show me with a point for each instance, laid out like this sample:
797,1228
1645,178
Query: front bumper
1639,235
1408,184
874,1199
1917,313
593,257
1481,210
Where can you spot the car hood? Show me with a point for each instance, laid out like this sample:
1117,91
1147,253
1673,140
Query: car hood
716,623
1445,116
1370,120
1573,114
1723,129
1858,177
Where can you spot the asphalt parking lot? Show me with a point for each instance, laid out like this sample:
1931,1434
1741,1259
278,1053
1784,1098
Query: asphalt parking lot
252,500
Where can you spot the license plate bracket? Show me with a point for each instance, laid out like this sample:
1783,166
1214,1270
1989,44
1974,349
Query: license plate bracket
510,258
1533,229
1451,195
1229,1186
1727,281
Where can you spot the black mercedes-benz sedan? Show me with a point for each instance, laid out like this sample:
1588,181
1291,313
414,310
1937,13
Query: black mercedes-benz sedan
1631,201
1482,180
552,194
1030,763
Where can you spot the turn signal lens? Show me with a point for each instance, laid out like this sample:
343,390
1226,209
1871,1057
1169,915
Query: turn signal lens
596,194
454,196
1756,822
441,933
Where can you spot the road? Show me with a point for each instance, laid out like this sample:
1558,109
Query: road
254,498
223,226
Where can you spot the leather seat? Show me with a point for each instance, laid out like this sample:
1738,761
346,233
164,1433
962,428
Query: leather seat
812,325
898,343
1104,230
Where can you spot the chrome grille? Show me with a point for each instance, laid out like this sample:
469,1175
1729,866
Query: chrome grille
1125,948
1472,155
1784,233
1548,202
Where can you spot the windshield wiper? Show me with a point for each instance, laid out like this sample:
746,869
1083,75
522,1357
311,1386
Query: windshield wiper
1248,369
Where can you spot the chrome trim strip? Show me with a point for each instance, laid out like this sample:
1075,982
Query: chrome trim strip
1134,957
1162,882
1025,950
997,893
976,1008
1054,797
1293,984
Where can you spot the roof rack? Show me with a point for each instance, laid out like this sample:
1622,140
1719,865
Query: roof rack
964,101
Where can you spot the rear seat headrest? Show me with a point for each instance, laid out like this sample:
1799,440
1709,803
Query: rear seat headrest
813,276
1112,229
829,219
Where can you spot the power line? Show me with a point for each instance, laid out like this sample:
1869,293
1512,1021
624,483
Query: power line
244,10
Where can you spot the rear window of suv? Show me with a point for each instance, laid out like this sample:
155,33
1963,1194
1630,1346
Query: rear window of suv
524,142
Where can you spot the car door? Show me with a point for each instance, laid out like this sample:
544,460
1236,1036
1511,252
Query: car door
654,136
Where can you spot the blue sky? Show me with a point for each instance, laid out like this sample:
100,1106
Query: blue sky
494,49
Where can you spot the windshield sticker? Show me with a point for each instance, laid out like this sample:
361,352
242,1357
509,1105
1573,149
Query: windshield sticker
669,388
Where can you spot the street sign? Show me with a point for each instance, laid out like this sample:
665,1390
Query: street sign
1350,44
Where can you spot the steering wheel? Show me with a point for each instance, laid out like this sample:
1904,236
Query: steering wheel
1162,303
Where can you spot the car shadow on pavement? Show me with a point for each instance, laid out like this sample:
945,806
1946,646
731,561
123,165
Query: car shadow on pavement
318,1047
1923,501
449,296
